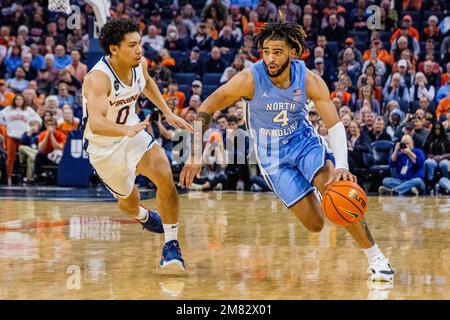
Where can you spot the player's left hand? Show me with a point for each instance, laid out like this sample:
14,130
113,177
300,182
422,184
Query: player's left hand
341,174
178,122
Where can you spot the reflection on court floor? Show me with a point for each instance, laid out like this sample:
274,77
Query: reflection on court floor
236,246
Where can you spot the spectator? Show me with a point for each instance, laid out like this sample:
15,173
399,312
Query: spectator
407,23
183,28
152,39
167,60
366,93
50,145
446,122
201,39
192,63
395,91
443,106
403,42
377,46
213,174
18,83
408,164
189,17
445,75
174,93
347,120
76,67
443,91
13,60
324,51
229,73
420,133
368,122
15,118
51,104
190,115
310,30
350,43
221,10
241,20
28,148
293,11
314,118
353,66
378,132
62,60
155,19
334,32
227,41
319,67
63,95
360,156
6,97
161,74
431,75
173,41
437,150
432,30
214,63
421,88
424,104
69,121
386,22
395,120
53,72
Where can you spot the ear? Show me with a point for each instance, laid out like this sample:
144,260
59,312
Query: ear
114,49
293,54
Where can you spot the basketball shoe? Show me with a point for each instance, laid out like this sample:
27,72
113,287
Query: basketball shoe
380,270
153,223
171,259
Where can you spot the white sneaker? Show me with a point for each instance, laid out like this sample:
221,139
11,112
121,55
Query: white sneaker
415,191
240,185
381,270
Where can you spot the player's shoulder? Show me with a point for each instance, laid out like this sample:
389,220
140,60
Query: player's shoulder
97,80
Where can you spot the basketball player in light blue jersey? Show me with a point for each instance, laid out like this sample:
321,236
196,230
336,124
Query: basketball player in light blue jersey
275,91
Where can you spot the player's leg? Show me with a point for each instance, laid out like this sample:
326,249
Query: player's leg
155,166
309,213
378,264
149,219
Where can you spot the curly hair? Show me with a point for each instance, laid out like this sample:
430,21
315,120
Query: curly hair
113,32
291,32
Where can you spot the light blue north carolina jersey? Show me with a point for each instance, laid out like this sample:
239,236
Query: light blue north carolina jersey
277,115
290,153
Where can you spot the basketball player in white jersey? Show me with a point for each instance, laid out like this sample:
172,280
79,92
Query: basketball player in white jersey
118,146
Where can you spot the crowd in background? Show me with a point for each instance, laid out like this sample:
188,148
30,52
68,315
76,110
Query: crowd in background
390,85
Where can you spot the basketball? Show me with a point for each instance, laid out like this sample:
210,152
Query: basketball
344,203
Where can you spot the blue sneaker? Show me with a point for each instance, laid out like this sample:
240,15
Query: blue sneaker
171,257
153,223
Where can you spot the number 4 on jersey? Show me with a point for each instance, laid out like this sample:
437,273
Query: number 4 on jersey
282,117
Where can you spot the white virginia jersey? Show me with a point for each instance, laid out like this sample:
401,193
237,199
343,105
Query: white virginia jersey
122,102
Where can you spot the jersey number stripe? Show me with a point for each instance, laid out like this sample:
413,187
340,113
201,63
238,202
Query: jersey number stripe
122,115
282,117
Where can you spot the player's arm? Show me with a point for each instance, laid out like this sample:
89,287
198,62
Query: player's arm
97,88
317,91
151,91
241,85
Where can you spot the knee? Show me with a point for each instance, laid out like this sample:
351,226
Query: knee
443,164
430,162
315,227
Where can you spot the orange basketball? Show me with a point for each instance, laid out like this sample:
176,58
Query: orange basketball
344,203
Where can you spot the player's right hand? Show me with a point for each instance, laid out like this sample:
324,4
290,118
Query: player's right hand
134,130
189,172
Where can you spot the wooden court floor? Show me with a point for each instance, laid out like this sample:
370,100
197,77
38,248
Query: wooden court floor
236,246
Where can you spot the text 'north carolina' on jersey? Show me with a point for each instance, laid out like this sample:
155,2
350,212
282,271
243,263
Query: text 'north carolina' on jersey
276,115
121,102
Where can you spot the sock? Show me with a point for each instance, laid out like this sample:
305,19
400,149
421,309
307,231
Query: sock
171,231
143,214
373,253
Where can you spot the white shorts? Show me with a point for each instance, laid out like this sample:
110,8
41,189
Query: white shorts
116,164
